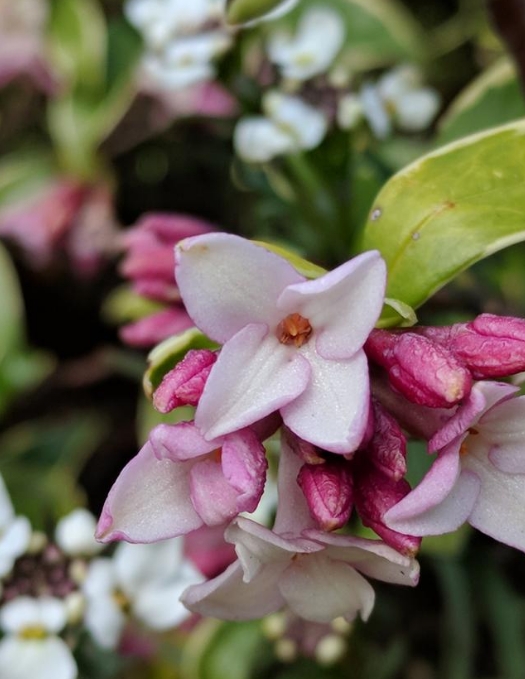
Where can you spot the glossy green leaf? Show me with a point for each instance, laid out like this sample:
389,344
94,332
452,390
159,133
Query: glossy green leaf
494,98
11,309
168,353
303,266
448,210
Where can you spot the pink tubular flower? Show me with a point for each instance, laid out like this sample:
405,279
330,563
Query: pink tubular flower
318,575
328,490
179,482
420,369
290,344
489,346
478,475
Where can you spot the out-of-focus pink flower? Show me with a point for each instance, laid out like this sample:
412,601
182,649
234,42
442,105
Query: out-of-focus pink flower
148,263
489,346
22,49
208,551
423,371
64,216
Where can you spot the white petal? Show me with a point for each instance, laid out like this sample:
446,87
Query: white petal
229,598
416,110
6,507
24,611
319,589
227,282
136,565
306,125
342,306
75,533
43,659
500,509
375,112
14,542
254,376
332,411
104,621
257,140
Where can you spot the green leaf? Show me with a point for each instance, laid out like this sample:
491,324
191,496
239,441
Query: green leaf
23,173
242,11
303,266
494,98
168,353
11,309
448,210
77,33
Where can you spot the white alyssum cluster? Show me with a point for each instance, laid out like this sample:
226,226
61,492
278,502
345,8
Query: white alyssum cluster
182,39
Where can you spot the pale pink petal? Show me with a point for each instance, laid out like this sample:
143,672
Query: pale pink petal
464,417
253,376
342,306
180,442
227,282
229,598
500,509
441,518
319,589
214,499
433,489
504,428
332,412
149,501
153,329
374,558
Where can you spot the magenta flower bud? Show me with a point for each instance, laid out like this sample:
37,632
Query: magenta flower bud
306,451
375,493
153,329
184,384
328,489
489,346
420,369
387,449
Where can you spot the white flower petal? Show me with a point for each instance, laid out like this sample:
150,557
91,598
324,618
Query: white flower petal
257,140
39,659
374,111
75,533
332,411
306,125
416,110
319,589
136,565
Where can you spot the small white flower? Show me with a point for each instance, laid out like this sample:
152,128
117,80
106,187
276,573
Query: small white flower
15,532
318,39
290,125
399,98
75,533
31,647
145,581
349,111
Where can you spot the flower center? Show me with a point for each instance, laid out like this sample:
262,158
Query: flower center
121,600
33,632
294,329
463,449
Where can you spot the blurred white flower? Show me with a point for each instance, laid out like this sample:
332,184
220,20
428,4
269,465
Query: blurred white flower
187,60
399,98
349,111
144,581
290,125
15,532
319,37
31,647
161,20
75,534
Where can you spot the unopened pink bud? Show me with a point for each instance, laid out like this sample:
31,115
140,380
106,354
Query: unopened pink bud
420,369
153,329
328,491
184,384
375,493
489,346
387,449
306,451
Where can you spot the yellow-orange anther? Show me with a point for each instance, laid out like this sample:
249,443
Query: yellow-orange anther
294,329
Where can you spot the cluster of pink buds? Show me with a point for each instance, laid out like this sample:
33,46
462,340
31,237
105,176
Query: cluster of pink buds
148,263
301,358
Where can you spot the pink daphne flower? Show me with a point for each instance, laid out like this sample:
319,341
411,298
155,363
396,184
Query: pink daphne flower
179,482
318,575
479,473
290,344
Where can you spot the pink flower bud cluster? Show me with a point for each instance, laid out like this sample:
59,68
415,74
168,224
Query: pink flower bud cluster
148,264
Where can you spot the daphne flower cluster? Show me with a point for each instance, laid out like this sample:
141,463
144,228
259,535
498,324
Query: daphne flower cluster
302,357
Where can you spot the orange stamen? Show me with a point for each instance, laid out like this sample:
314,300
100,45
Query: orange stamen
294,329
